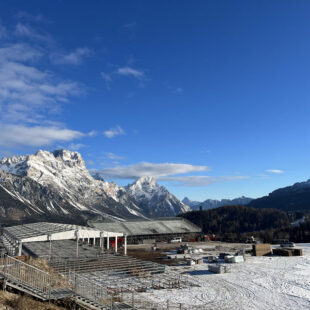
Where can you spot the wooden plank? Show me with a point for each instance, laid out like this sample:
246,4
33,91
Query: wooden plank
262,249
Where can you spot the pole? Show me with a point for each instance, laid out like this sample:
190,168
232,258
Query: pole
115,244
125,244
20,246
77,243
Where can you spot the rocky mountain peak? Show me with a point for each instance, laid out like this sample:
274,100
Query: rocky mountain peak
154,199
145,182
58,183
72,158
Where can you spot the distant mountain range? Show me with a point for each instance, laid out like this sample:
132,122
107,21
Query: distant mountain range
212,203
57,186
290,198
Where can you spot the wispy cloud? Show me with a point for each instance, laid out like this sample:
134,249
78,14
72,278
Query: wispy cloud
74,58
75,146
30,95
113,156
27,92
149,169
201,180
20,135
125,72
128,71
275,171
23,30
30,17
114,132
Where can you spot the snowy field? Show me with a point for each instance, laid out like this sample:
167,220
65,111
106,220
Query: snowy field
258,283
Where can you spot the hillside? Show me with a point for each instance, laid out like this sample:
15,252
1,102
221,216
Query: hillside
237,219
290,198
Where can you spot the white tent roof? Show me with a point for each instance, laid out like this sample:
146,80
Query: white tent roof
44,231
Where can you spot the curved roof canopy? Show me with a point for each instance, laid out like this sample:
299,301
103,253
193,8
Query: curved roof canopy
45,231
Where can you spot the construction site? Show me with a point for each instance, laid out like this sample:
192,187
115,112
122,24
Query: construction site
56,261
97,269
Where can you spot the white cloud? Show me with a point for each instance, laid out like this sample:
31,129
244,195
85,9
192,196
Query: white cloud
113,132
73,58
92,133
30,94
75,146
149,169
113,156
201,180
19,52
275,171
20,135
128,71
124,71
26,93
23,30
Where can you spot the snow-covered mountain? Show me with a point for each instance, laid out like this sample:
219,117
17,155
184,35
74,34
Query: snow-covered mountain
57,185
213,203
155,200
53,184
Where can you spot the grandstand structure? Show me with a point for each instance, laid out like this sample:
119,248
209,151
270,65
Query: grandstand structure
51,261
160,229
21,239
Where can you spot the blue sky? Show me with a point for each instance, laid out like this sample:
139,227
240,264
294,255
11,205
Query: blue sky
210,97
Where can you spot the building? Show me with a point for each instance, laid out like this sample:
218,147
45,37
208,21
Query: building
40,239
160,229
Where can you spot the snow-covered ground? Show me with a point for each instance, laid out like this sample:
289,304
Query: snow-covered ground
258,283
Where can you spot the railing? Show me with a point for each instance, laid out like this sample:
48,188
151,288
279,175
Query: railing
27,275
87,289
46,285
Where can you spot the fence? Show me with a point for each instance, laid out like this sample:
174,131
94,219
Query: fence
89,290
46,285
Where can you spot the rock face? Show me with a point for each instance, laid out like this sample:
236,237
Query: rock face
155,200
212,203
57,186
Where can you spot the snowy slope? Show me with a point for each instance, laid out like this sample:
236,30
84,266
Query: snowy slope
155,200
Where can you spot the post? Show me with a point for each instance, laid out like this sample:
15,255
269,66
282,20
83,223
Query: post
115,244
108,242
20,246
100,240
77,243
125,244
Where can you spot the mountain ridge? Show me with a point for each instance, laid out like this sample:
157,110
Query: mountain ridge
295,197
214,203
55,184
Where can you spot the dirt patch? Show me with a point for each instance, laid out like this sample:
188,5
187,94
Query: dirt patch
57,280
152,256
10,301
